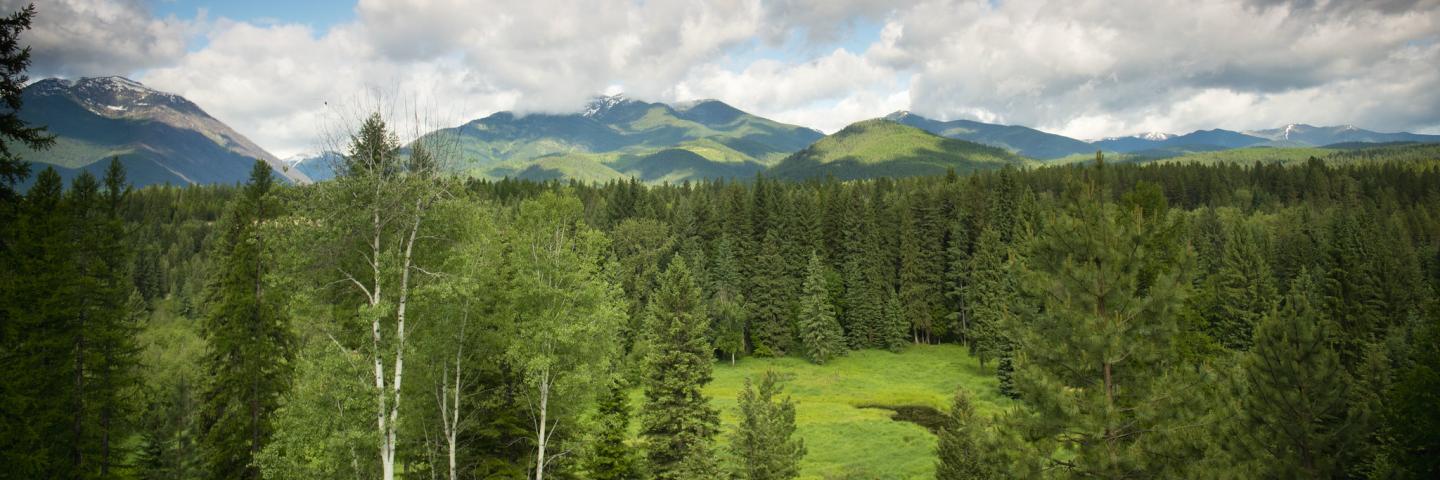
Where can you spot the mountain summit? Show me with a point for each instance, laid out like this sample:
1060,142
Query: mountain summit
160,137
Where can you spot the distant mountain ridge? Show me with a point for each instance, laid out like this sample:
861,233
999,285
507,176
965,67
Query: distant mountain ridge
650,141
163,137
881,147
160,137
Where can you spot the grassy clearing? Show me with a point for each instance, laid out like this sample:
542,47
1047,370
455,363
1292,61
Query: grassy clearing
849,442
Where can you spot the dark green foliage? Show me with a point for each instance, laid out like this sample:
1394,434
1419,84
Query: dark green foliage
764,444
965,449
610,457
1411,414
770,331
1241,291
251,346
819,331
727,305
678,423
991,295
1092,363
14,59
1294,409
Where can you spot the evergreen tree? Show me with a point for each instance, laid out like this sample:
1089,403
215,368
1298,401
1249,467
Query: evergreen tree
991,296
1092,360
769,323
864,312
763,443
610,457
727,305
819,330
957,280
678,422
251,348
964,449
14,59
1294,408
1243,290
896,331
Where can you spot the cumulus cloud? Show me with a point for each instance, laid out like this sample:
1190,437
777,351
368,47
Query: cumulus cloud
1085,68
72,38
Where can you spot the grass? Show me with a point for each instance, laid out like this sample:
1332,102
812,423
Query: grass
846,441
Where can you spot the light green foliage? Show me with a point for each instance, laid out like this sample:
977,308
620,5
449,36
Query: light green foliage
819,331
763,444
885,148
563,310
838,406
324,429
677,422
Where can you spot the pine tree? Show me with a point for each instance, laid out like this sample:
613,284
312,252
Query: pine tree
963,448
957,280
763,443
1294,408
251,347
678,423
819,330
1092,360
610,457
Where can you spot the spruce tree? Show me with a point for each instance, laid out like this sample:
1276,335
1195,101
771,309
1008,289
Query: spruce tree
727,305
1243,290
991,296
769,322
763,444
678,423
14,59
1294,407
251,347
610,457
895,330
819,330
964,449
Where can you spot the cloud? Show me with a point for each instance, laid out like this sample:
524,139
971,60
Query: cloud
1085,68
1078,67
73,38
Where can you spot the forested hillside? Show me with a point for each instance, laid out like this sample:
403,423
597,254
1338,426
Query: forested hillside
1176,320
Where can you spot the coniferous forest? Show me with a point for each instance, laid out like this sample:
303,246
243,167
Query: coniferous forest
1161,320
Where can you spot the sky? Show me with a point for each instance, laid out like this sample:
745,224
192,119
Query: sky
277,70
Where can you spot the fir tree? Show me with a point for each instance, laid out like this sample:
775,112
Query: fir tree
991,296
678,423
819,330
251,346
764,444
963,447
727,305
610,457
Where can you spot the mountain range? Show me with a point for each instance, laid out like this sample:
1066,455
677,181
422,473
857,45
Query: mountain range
159,137
162,137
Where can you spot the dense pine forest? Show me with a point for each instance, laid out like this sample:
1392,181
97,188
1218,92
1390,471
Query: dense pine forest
1162,320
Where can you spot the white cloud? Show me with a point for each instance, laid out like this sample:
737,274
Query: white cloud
73,38
1086,68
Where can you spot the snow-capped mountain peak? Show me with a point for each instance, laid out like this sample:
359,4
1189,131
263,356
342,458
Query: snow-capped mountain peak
1155,136
602,104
